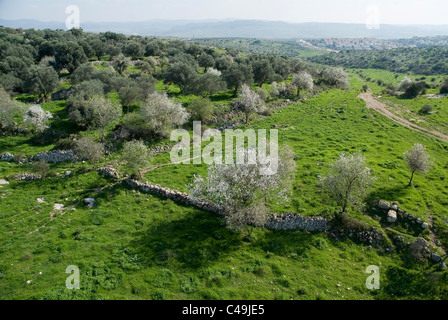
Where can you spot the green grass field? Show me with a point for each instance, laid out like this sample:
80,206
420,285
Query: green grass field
137,246
410,109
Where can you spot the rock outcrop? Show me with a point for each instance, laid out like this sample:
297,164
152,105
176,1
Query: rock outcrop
109,172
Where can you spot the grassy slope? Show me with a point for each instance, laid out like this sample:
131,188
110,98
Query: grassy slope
136,246
437,120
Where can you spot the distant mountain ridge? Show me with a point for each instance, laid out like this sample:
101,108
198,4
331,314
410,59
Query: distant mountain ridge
243,29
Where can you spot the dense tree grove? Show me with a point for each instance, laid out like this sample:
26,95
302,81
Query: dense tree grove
426,61
111,79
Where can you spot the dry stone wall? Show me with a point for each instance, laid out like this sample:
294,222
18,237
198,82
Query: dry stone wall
56,156
287,221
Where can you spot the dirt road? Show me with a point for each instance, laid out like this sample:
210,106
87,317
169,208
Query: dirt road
380,107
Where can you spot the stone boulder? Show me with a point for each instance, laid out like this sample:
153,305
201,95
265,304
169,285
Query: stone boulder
421,249
7,157
392,216
384,205
436,258
110,172
394,206
89,202
3,182
58,206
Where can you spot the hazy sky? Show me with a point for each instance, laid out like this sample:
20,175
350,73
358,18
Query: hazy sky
348,11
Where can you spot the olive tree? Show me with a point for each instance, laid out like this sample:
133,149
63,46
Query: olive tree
336,77
236,75
37,118
130,95
163,114
444,87
41,80
206,61
121,63
207,84
102,112
181,74
69,55
135,156
417,160
84,72
263,71
303,81
201,109
250,102
8,109
134,49
348,180
90,150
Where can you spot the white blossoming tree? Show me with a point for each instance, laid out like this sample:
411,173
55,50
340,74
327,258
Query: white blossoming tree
303,81
336,77
163,114
250,102
348,180
102,113
37,118
417,160
242,192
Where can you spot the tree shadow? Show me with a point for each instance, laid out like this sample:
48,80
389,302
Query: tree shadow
295,244
389,194
193,242
222,96
393,194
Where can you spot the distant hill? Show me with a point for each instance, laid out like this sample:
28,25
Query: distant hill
243,29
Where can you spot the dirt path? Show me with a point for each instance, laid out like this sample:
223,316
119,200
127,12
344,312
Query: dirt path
380,107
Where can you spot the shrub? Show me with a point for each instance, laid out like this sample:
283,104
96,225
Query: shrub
426,109
352,223
41,167
444,87
88,149
201,109
135,156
